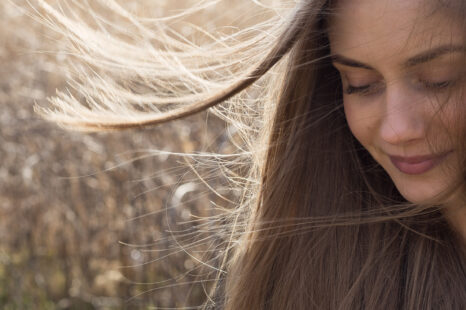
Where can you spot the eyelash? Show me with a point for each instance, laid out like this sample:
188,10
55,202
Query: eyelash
372,89
365,90
437,85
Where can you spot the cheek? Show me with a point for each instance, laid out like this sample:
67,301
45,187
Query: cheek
454,113
361,123
448,123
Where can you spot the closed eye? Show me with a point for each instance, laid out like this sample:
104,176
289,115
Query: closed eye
436,85
365,90
356,89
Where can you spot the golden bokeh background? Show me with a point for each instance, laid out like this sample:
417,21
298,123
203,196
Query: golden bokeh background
86,219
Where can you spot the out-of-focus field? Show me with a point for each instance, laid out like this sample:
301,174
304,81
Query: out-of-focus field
67,214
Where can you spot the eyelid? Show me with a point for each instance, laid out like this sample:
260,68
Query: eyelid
438,74
437,81
360,79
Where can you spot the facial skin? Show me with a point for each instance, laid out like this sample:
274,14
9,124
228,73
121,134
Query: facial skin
400,65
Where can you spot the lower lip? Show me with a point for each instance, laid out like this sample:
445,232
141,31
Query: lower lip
416,167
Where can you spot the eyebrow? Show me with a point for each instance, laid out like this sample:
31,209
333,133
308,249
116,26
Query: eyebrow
340,59
421,58
432,54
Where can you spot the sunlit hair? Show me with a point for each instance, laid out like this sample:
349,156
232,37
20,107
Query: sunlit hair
319,224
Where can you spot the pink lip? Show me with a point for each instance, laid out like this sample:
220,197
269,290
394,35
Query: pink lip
417,164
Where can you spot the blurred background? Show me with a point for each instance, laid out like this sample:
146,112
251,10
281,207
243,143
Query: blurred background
86,220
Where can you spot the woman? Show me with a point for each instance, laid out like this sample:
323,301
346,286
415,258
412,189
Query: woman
360,202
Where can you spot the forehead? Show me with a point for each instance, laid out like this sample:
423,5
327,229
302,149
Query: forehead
390,29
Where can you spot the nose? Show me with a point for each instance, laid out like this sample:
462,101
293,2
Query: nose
403,120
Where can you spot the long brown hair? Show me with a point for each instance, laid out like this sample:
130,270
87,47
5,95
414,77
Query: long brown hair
351,258
325,227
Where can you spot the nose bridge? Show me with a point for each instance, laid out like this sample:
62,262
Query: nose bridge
403,120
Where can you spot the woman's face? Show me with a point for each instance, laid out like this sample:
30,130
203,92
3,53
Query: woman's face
401,65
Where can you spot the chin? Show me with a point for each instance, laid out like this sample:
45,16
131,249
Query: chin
423,192
419,198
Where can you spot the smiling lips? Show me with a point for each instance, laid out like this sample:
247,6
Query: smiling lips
417,164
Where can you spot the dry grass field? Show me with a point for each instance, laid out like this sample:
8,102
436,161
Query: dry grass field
75,209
